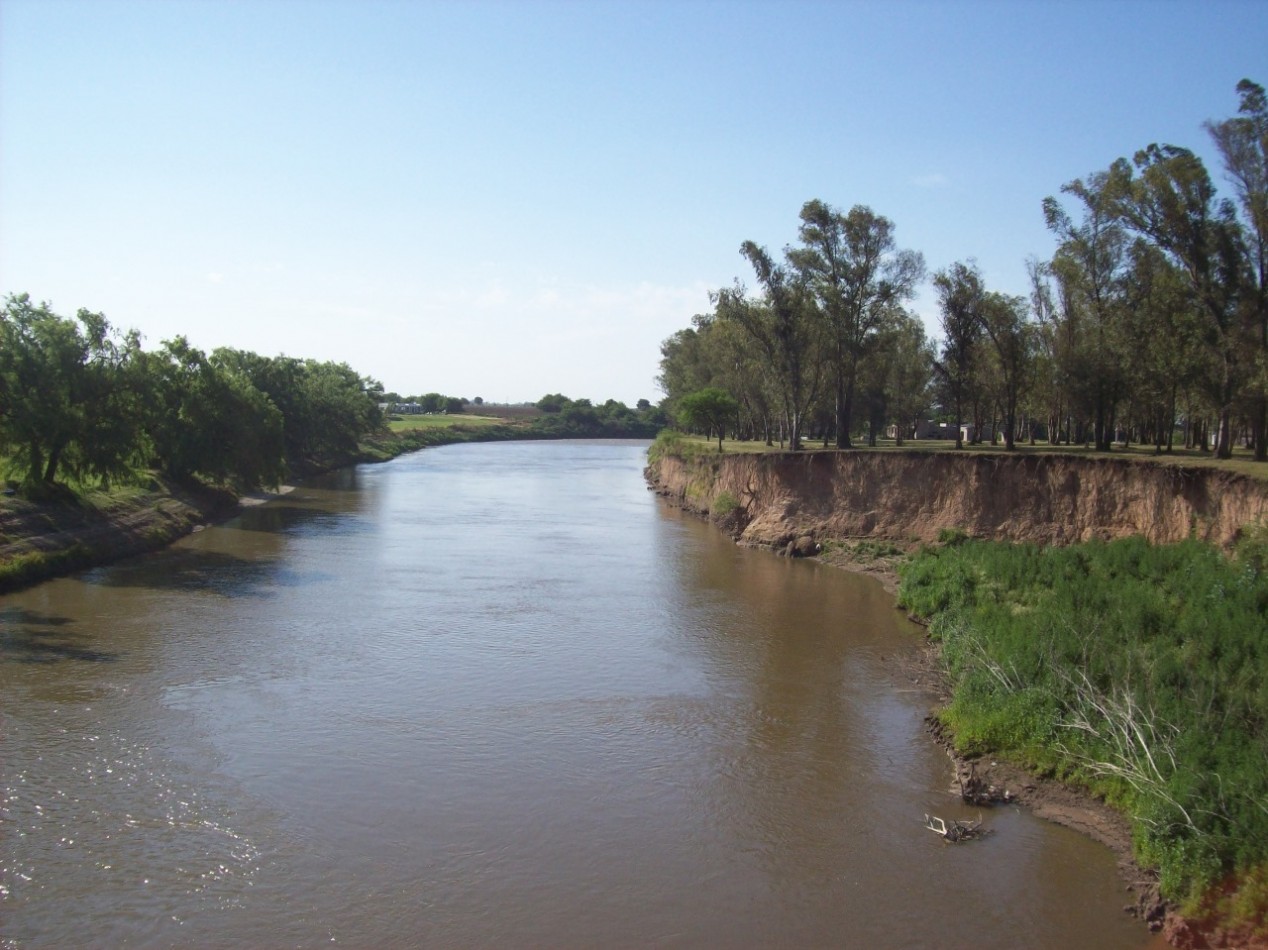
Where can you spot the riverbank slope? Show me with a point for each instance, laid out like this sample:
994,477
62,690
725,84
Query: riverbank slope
842,505
40,540
773,499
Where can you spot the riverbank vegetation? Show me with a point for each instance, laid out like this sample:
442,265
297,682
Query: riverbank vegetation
109,449
1137,671
554,416
1148,325
83,405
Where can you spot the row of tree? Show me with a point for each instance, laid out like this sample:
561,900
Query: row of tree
612,419
430,402
1152,313
79,398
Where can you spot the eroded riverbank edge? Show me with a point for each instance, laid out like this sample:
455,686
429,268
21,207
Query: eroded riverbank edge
840,507
41,541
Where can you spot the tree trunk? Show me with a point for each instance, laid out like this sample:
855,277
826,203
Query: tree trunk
54,459
1261,429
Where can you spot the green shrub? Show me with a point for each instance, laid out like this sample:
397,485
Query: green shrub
724,504
952,535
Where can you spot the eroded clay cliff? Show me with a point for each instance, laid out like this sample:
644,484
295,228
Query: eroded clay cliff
912,496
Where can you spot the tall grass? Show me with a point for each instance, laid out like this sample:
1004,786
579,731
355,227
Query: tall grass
1140,671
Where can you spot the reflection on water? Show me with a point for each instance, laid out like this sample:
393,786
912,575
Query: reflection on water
493,695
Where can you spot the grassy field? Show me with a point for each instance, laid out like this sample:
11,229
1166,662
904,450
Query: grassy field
422,421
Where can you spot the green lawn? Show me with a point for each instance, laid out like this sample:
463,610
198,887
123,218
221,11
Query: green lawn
423,421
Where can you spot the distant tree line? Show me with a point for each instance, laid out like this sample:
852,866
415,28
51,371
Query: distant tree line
80,399
579,418
429,402
1150,320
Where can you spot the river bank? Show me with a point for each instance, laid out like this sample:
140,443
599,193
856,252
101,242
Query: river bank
43,540
865,512
988,781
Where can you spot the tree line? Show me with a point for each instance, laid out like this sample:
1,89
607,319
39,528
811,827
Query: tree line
1150,320
80,399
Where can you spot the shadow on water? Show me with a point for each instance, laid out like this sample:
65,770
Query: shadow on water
213,572
342,479
291,519
30,637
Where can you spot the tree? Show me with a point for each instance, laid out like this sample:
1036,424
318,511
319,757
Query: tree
909,361
1004,321
1089,266
708,409
858,275
960,301
553,402
1168,198
1243,145
206,420
1163,333
785,328
66,388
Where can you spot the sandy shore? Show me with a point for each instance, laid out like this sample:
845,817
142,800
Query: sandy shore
262,497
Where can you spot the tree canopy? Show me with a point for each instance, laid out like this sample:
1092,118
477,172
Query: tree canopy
1148,323
78,398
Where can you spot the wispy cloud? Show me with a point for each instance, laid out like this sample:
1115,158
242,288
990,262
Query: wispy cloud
931,180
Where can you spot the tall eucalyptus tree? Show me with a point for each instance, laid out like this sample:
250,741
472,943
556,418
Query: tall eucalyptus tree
1243,145
784,327
961,298
859,275
1089,265
1168,198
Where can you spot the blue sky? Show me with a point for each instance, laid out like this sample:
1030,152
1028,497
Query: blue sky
509,199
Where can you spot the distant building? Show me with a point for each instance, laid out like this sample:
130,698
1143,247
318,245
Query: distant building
924,429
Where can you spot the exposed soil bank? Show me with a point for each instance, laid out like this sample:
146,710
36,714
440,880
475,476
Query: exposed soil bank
804,504
1049,499
41,541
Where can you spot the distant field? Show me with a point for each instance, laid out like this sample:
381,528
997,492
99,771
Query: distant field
1241,462
422,421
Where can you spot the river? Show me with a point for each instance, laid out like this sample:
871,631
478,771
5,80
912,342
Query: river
495,695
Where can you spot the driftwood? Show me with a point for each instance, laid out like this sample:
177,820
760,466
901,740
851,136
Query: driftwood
955,831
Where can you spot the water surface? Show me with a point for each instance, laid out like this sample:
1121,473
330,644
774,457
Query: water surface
494,695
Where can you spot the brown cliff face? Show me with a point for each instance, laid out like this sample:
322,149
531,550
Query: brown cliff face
1048,499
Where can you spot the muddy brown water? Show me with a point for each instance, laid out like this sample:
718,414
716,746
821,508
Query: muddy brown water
494,695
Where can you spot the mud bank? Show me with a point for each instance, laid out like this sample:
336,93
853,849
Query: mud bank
774,499
42,541
799,504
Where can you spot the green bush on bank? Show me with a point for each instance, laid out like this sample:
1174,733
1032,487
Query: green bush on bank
1135,669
